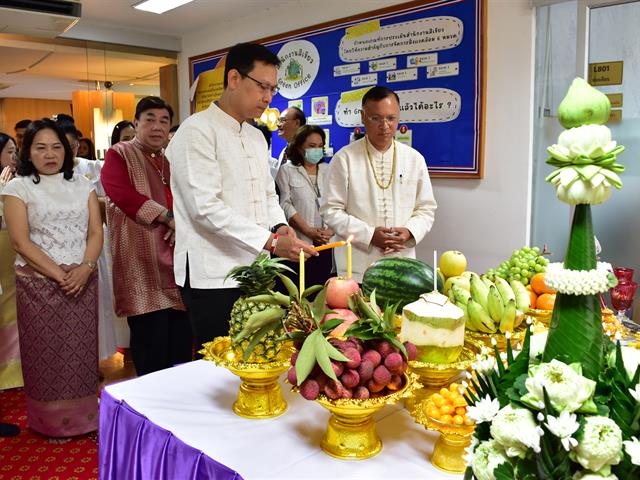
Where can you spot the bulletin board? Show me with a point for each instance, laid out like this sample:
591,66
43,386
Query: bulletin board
430,52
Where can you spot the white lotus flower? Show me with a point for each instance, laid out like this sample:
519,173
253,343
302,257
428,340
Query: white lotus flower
484,410
584,192
484,364
600,445
591,141
630,358
537,344
487,456
516,430
567,388
632,447
563,427
635,392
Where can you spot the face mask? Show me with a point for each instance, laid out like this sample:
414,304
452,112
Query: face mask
313,155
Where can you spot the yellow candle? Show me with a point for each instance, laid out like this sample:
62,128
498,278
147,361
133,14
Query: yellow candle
330,245
349,257
301,272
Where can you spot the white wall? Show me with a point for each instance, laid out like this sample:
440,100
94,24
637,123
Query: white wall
488,218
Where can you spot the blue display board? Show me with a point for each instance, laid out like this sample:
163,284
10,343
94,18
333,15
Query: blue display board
430,52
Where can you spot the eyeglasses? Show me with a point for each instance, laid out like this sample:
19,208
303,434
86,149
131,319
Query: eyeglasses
263,86
380,120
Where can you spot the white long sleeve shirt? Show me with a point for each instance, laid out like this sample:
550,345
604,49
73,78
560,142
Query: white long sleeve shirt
224,198
354,204
301,193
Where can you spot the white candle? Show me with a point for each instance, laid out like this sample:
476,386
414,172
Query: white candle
435,270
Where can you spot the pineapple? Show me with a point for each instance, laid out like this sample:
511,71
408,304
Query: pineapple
255,323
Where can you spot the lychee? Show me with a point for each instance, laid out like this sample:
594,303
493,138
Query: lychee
381,375
361,393
310,389
374,387
395,383
393,362
365,370
292,377
333,389
412,351
350,378
354,358
373,356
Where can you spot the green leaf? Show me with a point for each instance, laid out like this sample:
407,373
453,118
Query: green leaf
311,290
504,471
289,285
255,339
319,306
335,353
322,356
331,324
306,358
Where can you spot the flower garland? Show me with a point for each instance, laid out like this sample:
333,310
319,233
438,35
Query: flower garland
580,282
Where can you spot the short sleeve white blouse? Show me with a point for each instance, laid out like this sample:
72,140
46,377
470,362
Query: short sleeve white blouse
58,214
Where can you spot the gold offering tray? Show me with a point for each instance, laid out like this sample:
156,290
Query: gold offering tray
434,376
449,450
351,430
259,395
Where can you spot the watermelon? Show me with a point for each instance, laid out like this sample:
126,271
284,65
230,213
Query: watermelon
399,280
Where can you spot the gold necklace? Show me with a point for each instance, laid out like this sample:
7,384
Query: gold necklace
375,174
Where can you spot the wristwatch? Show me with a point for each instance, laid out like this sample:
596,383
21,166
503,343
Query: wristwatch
275,229
90,264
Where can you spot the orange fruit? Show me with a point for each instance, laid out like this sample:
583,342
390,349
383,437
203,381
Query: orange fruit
546,301
538,285
533,299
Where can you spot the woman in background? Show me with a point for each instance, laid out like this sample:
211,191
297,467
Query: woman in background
107,318
10,370
123,132
54,224
300,182
86,149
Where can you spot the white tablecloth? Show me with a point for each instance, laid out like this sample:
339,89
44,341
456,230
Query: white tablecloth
194,402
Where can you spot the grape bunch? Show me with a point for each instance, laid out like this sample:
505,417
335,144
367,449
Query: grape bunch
522,265
375,368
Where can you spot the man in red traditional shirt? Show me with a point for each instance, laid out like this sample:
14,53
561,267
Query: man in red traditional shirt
135,178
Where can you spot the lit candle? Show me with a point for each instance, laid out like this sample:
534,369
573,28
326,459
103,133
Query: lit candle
435,270
301,272
349,256
330,245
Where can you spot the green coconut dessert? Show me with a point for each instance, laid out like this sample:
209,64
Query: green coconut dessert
435,326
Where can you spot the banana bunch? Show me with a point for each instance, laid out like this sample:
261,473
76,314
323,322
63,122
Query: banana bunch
491,307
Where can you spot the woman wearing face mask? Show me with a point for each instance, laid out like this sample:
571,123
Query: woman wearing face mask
300,182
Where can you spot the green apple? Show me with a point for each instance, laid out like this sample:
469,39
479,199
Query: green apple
453,263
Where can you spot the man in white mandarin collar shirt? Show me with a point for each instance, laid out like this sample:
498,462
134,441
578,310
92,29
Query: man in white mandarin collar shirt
378,189
225,205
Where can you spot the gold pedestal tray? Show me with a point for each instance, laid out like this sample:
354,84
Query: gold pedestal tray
449,450
351,431
542,316
260,395
434,376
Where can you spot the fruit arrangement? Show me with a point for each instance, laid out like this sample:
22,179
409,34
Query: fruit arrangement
399,280
491,307
258,306
522,265
542,297
448,406
370,362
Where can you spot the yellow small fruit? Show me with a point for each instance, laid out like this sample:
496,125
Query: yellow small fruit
446,418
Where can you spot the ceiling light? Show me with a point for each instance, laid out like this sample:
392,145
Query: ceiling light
160,6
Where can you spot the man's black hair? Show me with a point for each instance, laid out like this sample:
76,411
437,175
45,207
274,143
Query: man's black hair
242,57
379,93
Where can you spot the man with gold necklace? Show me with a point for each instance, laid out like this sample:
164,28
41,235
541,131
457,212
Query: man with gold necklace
378,189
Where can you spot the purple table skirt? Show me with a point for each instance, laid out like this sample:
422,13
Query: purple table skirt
134,448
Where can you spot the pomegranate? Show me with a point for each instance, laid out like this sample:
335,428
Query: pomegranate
338,291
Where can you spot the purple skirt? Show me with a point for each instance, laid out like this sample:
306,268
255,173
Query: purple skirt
59,351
